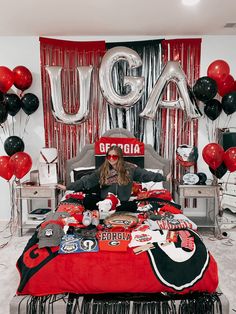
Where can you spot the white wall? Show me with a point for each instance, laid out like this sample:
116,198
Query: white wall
25,51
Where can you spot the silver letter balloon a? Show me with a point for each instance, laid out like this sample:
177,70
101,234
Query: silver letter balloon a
171,72
136,84
58,111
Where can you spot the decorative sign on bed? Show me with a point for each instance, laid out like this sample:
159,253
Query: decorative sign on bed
132,148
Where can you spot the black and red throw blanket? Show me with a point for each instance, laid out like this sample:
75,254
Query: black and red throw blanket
167,268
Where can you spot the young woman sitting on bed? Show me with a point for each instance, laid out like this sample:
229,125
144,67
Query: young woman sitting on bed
115,176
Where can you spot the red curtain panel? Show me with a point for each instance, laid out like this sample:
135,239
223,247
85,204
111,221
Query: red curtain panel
68,139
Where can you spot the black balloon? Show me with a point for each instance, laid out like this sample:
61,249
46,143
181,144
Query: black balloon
30,103
229,103
202,178
13,103
220,171
213,109
205,88
3,112
13,144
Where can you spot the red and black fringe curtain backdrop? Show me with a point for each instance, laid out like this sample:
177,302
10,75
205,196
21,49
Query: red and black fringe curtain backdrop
69,139
175,129
170,128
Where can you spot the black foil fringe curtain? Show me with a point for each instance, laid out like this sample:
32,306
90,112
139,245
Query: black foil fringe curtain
195,303
150,54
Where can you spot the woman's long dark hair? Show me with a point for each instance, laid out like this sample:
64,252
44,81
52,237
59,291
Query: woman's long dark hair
122,173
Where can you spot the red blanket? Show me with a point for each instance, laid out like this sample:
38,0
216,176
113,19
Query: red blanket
44,271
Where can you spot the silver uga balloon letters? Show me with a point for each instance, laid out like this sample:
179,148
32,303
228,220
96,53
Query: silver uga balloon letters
58,111
171,72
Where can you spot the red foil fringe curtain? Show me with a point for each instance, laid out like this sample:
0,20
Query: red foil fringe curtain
69,139
175,129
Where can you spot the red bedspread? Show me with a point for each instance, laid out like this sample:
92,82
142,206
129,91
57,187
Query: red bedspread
44,271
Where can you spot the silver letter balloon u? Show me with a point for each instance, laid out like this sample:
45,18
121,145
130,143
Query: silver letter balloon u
136,84
57,105
171,72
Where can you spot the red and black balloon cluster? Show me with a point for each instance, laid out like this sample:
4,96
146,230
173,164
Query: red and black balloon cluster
17,162
218,160
218,80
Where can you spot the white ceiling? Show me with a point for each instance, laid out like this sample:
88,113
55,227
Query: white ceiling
115,17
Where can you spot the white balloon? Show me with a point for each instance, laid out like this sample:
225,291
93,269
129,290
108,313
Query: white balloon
136,84
58,111
171,72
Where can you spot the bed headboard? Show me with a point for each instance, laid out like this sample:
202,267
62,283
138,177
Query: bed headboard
86,157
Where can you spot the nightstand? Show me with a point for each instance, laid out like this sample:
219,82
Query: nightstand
208,192
30,193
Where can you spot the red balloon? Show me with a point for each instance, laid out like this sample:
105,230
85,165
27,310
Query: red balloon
234,89
21,164
226,86
6,170
6,79
22,77
230,159
218,70
213,155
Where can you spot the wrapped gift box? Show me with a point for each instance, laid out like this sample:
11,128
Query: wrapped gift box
47,173
48,166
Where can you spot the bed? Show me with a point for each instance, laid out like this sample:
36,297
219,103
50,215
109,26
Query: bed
163,279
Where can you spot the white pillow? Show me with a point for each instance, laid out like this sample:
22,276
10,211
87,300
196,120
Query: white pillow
151,185
80,171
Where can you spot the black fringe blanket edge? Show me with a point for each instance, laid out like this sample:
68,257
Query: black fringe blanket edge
195,303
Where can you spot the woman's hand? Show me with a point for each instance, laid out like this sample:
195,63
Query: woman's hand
61,187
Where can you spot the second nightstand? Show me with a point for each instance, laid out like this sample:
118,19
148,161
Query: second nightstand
208,192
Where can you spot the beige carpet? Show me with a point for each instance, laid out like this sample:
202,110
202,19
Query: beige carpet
223,250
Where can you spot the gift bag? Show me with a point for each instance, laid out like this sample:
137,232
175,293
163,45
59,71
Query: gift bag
48,166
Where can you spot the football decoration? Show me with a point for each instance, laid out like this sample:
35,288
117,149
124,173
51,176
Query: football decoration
121,220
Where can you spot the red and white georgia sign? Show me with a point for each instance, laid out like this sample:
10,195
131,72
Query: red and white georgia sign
129,146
